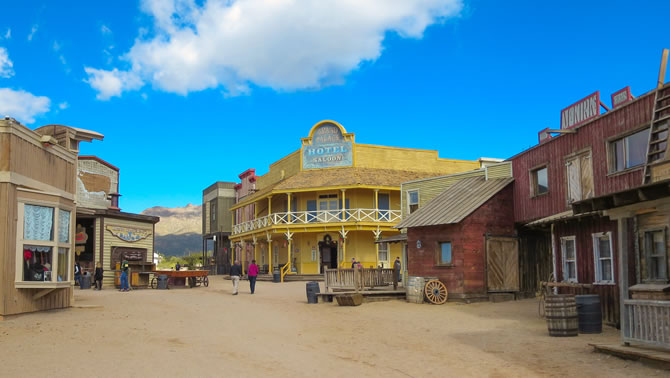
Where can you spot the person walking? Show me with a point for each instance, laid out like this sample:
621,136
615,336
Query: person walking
77,273
235,274
252,274
396,273
98,276
124,276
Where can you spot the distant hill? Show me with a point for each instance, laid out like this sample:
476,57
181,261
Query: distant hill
179,230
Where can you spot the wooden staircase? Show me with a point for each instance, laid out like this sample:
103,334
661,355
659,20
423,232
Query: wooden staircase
660,124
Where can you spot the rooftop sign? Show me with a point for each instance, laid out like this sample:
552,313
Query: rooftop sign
621,97
328,148
581,111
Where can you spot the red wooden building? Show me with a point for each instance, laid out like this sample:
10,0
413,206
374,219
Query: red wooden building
602,154
463,237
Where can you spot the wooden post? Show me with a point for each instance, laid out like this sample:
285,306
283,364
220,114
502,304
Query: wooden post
270,264
344,251
376,203
256,251
377,252
288,218
623,273
344,205
244,254
553,256
290,256
661,71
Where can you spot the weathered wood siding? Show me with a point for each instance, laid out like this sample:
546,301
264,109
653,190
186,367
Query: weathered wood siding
467,276
583,230
593,135
110,241
535,262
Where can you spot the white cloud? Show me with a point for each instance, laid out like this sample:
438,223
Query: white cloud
63,105
281,44
105,30
6,65
111,83
33,30
8,34
22,105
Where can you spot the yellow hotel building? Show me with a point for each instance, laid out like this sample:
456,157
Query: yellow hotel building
329,202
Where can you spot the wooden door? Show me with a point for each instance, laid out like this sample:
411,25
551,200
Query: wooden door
574,180
502,263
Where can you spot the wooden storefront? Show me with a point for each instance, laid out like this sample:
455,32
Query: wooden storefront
37,188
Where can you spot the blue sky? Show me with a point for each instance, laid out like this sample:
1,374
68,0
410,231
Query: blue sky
189,93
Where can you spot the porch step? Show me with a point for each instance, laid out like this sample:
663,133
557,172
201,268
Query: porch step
654,356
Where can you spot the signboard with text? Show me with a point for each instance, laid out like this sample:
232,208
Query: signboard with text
621,97
328,149
581,111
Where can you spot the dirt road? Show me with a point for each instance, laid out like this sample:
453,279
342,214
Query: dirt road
209,332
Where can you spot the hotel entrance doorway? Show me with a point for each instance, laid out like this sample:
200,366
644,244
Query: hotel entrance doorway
328,253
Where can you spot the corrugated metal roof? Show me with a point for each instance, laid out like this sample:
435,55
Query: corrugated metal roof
456,202
393,239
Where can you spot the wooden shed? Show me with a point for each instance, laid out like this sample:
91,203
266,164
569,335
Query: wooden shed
465,237
37,193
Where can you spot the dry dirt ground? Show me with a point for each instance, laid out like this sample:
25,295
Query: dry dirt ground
209,332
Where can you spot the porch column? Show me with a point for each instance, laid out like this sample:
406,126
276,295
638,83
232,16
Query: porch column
255,249
288,218
623,275
270,264
270,208
377,251
344,205
244,252
376,204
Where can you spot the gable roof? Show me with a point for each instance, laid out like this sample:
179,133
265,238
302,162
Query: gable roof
456,202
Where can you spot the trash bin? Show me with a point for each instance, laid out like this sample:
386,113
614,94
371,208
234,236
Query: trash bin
589,313
162,282
312,290
85,281
276,276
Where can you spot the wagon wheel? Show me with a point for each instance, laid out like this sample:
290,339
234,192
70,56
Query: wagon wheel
436,292
154,283
205,281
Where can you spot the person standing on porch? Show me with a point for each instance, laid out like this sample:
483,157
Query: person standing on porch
396,273
353,262
235,274
252,274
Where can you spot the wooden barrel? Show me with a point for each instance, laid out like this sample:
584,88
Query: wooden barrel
561,314
415,287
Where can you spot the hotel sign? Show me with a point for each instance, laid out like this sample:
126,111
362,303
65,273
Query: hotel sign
621,97
328,149
581,111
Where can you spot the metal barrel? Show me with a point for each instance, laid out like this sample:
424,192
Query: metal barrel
312,289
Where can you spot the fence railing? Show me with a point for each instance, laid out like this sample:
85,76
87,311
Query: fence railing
319,216
357,279
648,322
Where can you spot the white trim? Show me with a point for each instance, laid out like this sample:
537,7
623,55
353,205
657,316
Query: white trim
564,261
596,258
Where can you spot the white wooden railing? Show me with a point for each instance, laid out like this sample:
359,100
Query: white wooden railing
648,322
319,216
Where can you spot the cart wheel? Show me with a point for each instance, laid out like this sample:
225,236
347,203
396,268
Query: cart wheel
154,283
205,281
436,292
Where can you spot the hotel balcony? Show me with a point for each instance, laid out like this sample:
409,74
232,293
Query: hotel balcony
320,218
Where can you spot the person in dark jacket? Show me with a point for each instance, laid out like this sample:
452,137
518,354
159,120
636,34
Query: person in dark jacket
396,272
235,274
77,273
98,276
124,276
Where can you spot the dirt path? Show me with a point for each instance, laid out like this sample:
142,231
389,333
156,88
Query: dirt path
209,332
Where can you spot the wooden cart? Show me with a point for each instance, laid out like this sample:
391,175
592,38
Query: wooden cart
193,277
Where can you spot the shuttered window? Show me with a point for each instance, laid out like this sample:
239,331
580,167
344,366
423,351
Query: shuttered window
569,253
579,177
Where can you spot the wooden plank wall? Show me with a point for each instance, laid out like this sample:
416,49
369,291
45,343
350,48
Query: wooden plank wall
111,241
593,135
535,262
582,229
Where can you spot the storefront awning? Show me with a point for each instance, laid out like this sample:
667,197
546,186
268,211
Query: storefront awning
393,239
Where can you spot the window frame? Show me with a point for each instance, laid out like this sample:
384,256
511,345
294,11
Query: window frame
597,258
647,258
565,261
387,251
54,244
409,201
438,253
611,151
532,178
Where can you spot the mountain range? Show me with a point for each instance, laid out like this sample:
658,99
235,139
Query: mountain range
179,231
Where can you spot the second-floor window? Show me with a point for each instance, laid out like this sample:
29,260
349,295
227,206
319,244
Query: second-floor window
539,181
579,175
412,200
629,151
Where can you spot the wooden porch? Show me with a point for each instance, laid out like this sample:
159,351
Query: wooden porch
655,356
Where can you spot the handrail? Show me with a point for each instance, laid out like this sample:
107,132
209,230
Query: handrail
286,269
319,216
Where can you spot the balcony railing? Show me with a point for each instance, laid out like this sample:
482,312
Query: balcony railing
319,216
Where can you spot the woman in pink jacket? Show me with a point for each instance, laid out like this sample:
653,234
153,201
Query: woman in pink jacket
252,274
